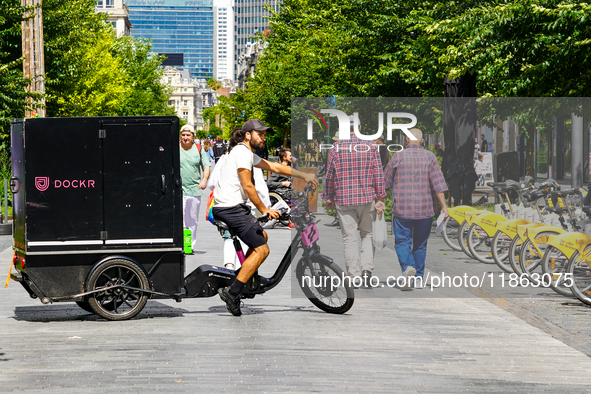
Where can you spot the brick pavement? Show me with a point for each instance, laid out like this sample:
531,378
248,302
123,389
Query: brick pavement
390,341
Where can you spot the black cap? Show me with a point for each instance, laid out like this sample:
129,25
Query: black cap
254,124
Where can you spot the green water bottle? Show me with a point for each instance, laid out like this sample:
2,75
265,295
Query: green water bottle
187,240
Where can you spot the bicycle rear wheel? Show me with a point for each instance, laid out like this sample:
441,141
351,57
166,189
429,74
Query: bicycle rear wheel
501,245
554,264
579,272
514,251
530,260
479,244
450,233
463,239
315,280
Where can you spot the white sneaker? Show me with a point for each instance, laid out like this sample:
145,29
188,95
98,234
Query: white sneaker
419,285
408,273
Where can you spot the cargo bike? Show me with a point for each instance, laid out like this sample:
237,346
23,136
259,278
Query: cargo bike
97,220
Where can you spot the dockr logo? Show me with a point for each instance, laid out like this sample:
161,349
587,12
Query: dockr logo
42,183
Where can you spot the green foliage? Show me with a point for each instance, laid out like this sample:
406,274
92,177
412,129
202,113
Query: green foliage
91,72
215,130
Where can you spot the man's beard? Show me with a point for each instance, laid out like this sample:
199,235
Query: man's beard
257,146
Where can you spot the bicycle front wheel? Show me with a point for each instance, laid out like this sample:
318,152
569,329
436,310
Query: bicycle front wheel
315,280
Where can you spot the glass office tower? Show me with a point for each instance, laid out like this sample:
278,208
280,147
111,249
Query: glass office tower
178,26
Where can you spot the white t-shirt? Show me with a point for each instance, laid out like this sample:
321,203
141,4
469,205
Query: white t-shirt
228,191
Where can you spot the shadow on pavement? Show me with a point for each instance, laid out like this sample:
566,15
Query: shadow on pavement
153,309
71,312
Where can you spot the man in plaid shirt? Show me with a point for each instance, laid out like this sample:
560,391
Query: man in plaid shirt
414,176
354,182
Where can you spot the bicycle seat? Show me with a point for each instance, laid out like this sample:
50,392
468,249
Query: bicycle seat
221,225
564,193
495,184
502,189
533,196
557,210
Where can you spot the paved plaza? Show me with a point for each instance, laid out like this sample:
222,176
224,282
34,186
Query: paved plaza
473,339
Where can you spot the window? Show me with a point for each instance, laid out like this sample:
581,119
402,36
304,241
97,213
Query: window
169,79
185,102
170,102
185,115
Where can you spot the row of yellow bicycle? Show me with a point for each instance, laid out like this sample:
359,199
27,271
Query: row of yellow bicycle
538,236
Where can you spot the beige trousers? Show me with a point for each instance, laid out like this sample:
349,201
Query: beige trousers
356,228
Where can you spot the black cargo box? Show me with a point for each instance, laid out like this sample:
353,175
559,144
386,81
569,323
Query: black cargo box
87,188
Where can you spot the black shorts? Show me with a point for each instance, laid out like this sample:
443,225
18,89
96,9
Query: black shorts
241,221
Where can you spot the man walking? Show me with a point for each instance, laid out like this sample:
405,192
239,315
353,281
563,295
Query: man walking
484,144
192,160
219,148
414,176
354,183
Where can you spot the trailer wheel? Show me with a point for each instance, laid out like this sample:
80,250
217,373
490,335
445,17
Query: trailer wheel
84,305
117,303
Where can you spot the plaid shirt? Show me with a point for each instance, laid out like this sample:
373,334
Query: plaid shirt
353,178
415,177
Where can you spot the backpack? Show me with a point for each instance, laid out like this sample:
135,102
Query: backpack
198,148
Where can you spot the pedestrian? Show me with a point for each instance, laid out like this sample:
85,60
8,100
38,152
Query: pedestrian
219,148
438,150
208,149
354,185
384,154
195,168
415,178
281,183
484,144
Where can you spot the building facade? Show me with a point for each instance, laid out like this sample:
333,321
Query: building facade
118,15
251,17
178,26
224,37
190,95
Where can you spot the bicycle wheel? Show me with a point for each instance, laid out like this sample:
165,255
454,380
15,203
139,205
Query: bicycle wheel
554,264
450,233
463,239
514,251
122,281
274,198
479,244
578,272
530,260
501,244
315,280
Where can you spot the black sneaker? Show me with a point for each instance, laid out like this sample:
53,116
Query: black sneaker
232,303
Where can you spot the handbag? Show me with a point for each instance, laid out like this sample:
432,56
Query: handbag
380,231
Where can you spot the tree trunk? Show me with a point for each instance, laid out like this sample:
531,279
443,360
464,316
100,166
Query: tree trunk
530,160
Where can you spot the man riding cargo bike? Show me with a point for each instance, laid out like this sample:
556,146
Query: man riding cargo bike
235,187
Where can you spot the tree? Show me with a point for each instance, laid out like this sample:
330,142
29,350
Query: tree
146,95
91,72
13,96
